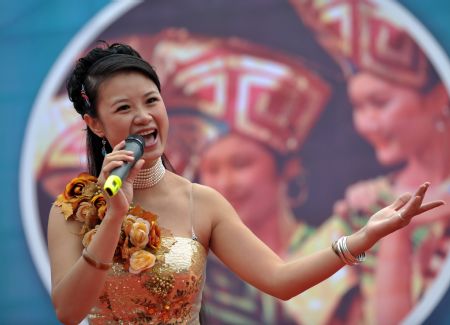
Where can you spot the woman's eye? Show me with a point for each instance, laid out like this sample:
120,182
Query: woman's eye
122,108
152,100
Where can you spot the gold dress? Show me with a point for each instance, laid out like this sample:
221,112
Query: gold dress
168,293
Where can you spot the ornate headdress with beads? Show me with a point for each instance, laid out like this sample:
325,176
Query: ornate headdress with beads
213,86
361,36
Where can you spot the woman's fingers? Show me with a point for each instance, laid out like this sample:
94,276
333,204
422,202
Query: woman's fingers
429,206
408,206
411,202
119,146
115,159
421,191
135,170
124,156
401,201
410,209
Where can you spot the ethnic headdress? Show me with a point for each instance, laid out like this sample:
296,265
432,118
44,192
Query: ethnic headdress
213,86
360,36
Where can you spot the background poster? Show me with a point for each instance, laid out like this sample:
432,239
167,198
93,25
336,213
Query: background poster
34,34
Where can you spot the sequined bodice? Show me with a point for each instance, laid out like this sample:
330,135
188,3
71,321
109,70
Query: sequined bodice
169,293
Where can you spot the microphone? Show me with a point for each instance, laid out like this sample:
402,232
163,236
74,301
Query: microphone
134,143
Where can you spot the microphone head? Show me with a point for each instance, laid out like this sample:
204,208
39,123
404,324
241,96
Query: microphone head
136,138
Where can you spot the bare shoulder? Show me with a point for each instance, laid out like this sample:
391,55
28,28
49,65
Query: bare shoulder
58,223
202,193
207,195
212,203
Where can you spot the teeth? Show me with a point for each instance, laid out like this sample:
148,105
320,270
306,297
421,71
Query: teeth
146,133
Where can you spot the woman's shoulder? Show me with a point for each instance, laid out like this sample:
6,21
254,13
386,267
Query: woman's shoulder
208,195
200,191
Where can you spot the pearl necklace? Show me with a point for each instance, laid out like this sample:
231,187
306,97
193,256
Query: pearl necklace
149,177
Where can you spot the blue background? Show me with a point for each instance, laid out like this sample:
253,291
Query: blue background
32,35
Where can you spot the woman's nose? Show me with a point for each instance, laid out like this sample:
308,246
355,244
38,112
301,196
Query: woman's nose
142,117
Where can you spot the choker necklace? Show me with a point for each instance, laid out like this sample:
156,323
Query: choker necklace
149,177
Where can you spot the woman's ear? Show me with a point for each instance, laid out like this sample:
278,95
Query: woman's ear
94,124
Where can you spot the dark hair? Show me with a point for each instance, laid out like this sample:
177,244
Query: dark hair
90,71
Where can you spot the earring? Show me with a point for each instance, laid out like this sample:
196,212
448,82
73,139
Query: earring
103,147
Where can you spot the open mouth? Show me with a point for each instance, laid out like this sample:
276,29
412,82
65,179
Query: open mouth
150,137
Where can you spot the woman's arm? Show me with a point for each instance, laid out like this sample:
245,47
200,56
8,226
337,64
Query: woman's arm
76,284
255,263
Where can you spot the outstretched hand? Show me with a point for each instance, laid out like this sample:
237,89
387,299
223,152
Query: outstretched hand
398,215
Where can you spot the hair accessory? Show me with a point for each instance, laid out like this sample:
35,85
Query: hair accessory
104,147
147,178
340,248
84,95
91,261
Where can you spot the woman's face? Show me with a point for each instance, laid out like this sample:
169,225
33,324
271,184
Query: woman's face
392,117
245,173
130,103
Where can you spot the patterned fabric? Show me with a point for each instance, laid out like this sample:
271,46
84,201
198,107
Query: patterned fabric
362,36
332,300
256,92
229,300
166,292
169,293
214,86
319,304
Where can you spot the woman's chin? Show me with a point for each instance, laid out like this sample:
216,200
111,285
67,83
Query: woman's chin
150,157
388,158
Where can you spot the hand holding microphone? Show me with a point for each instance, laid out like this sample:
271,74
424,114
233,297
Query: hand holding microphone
134,143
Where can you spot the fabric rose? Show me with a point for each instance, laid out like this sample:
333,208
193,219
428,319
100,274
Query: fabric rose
100,203
140,237
139,233
86,213
140,261
128,223
126,251
83,185
87,238
80,189
155,235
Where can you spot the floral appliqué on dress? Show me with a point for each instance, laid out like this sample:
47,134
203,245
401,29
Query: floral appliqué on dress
156,278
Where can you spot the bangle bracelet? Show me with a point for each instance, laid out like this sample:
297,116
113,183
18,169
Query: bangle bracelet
92,262
341,250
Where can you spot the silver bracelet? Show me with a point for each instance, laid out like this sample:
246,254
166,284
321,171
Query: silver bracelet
341,250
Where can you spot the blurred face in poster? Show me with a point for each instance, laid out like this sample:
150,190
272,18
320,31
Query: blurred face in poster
401,108
397,120
245,173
